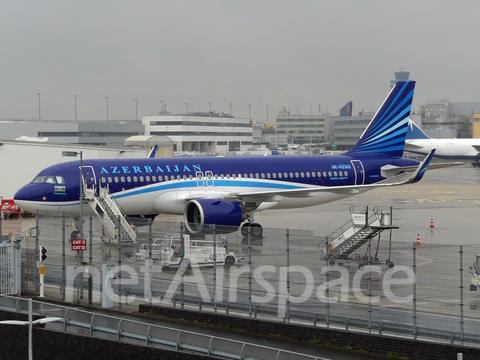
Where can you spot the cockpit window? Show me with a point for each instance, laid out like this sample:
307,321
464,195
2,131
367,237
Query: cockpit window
60,179
39,179
50,180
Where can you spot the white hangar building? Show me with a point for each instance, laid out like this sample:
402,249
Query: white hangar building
21,161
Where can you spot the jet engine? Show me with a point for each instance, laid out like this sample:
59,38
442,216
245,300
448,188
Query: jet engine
201,213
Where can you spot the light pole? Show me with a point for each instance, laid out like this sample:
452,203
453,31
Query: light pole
161,111
136,113
30,324
39,114
267,114
186,106
234,143
80,227
106,97
74,154
249,117
230,109
209,106
75,97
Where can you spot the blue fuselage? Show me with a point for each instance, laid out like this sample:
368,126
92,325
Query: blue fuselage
131,180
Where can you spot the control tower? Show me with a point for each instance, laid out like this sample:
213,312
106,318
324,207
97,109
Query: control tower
399,76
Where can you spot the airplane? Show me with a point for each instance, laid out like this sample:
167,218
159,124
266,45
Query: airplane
228,191
418,142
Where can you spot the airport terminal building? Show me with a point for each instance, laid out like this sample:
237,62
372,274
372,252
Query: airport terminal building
208,132
303,129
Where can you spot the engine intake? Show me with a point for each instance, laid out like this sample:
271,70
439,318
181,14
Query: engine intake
201,212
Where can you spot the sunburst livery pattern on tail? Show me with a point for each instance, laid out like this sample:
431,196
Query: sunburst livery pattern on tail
387,131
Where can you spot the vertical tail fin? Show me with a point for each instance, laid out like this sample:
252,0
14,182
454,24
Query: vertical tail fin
387,131
414,132
153,152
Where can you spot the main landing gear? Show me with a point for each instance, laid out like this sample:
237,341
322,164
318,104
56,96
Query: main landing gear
75,234
256,230
475,164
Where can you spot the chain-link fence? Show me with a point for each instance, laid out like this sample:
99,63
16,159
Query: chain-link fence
383,286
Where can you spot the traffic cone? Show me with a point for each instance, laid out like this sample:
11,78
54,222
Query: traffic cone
431,224
418,243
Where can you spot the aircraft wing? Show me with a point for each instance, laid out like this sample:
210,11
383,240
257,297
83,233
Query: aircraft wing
401,177
476,147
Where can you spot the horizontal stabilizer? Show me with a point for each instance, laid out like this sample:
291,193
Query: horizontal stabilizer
391,171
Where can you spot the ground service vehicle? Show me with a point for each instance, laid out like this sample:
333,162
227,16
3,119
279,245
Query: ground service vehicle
167,252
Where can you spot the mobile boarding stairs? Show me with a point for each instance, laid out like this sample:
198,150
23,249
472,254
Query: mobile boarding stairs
338,248
110,214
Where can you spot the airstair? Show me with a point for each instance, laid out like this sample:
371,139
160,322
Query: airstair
341,244
109,213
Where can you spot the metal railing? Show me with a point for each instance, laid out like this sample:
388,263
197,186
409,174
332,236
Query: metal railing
148,334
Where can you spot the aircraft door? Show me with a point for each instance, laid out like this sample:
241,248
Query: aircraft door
200,178
359,172
89,178
209,176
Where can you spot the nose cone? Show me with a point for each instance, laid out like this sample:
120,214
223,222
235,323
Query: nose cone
26,192
26,197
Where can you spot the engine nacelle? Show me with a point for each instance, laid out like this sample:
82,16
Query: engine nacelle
201,212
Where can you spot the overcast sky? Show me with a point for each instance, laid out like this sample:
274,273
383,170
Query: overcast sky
281,53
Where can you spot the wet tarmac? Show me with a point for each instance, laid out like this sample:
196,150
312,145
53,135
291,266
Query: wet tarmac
449,197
